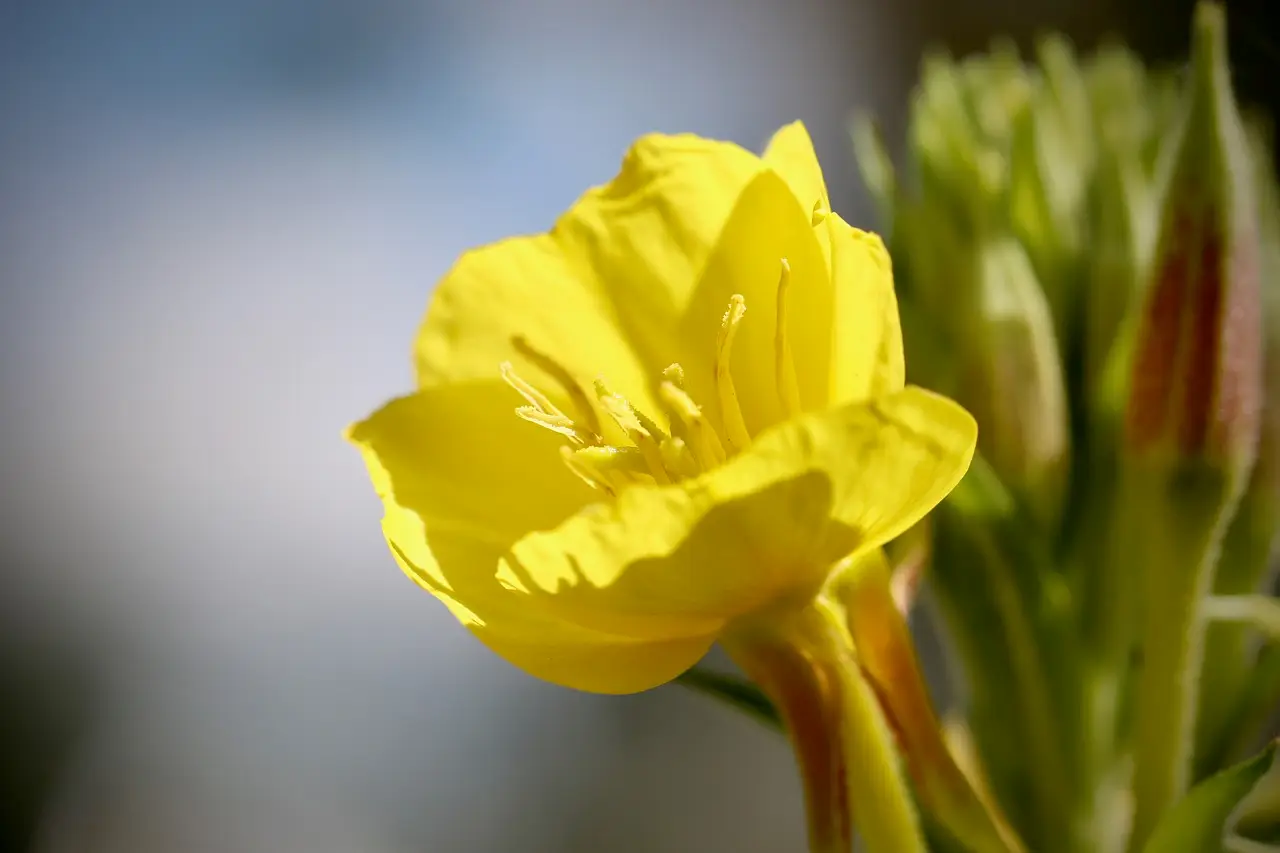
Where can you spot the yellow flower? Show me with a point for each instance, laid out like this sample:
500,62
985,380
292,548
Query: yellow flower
713,415
705,367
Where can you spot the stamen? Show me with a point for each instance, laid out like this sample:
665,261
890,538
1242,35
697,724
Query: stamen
577,395
734,426
594,479
608,459
556,422
535,397
819,214
788,393
643,432
677,458
689,424
694,444
542,411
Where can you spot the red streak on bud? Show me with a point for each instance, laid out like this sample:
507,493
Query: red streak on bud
1197,380
1200,358
1154,362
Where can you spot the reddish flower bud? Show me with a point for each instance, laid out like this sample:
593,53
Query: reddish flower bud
1196,385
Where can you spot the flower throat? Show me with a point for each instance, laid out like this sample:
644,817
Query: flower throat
693,444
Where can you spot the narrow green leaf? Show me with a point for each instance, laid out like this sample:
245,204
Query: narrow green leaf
1254,825
1215,814
993,581
1253,711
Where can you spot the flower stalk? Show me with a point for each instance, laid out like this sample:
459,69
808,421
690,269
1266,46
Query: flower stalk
1184,520
844,745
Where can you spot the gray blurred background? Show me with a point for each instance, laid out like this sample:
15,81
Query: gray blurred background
219,226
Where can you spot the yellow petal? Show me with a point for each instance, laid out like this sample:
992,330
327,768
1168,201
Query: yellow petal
867,346
867,351
461,479
900,472
595,664
790,153
762,530
455,466
603,293
767,225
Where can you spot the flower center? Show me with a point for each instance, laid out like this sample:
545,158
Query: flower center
691,445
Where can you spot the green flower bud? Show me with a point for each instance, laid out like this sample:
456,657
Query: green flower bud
1196,387
1123,218
1193,419
1050,161
1121,224
961,169
1011,378
1251,542
1254,537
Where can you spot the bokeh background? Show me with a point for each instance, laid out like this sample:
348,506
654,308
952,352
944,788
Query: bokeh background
219,225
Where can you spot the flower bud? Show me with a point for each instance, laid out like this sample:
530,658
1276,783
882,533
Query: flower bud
1121,242
1050,161
1122,202
1196,387
1251,542
1254,537
1012,380
960,120
1135,114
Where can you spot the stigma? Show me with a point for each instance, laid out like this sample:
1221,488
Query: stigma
684,443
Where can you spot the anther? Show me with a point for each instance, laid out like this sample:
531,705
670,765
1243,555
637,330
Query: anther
535,397
577,395
556,422
542,411
613,460
594,479
677,458
642,431
734,426
689,424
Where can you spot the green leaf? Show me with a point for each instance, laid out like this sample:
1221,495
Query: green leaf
1228,812
734,691
1255,708
994,584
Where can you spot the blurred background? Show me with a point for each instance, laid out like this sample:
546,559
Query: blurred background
219,226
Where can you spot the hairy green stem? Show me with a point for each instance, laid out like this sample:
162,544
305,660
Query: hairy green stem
845,749
1187,512
1109,611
